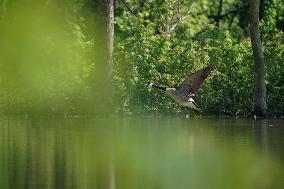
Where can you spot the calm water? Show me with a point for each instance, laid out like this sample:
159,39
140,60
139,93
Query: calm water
142,153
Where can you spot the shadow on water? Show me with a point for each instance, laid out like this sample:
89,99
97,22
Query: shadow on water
141,153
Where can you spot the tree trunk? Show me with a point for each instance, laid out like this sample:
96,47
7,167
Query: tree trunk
103,39
261,9
260,89
244,17
219,12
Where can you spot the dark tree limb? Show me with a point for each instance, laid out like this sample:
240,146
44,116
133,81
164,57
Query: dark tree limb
128,8
261,9
176,19
219,11
234,12
232,20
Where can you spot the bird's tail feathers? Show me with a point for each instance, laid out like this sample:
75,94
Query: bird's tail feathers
195,106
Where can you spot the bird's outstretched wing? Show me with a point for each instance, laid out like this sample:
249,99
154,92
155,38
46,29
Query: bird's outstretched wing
193,82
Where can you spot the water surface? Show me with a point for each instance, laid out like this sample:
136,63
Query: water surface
146,153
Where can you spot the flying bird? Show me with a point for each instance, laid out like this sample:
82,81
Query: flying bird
184,94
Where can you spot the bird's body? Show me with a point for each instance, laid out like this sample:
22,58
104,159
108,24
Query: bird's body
181,98
184,93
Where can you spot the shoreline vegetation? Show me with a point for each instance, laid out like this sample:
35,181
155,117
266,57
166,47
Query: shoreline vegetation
53,57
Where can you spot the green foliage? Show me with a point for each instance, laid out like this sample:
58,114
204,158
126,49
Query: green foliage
48,55
156,58
151,54
43,67
274,59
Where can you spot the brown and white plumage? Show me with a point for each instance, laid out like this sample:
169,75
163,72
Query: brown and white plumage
184,93
193,82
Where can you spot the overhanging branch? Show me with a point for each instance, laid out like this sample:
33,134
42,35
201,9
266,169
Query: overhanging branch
128,8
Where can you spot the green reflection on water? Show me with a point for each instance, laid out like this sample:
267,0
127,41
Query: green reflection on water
140,153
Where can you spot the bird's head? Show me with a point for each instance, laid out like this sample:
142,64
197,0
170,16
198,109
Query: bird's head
150,85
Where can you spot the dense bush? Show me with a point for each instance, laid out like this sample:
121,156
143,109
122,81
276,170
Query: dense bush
274,59
149,57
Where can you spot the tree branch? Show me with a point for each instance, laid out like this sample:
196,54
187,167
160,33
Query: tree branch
178,20
129,9
218,17
220,10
